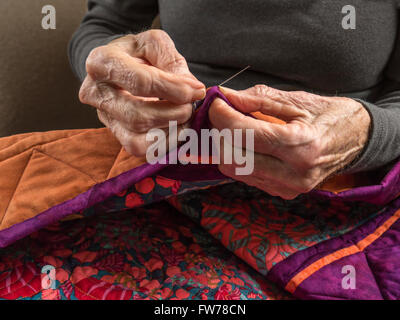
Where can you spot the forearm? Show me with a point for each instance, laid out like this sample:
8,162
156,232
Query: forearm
105,21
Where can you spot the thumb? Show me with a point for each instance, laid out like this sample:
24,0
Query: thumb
263,102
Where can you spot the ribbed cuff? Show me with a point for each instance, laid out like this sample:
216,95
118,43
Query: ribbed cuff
377,151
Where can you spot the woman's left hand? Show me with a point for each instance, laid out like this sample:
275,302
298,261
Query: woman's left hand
322,135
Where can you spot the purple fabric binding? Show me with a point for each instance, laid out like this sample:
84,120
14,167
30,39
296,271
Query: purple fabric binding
371,275
380,194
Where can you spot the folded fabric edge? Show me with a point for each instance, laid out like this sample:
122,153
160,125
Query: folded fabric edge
297,268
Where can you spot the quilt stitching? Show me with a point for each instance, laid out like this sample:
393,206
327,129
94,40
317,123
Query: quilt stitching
41,144
358,247
67,164
15,189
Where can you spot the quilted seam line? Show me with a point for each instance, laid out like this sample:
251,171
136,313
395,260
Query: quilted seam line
68,165
360,246
92,296
16,187
113,164
16,281
88,192
373,274
38,145
45,154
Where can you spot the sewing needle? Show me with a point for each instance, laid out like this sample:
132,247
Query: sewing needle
234,76
198,103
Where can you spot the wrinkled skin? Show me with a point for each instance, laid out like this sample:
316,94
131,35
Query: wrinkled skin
139,82
322,135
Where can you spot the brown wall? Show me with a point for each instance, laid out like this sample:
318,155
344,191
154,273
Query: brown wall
38,91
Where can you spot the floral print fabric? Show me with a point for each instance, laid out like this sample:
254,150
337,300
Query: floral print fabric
217,243
146,253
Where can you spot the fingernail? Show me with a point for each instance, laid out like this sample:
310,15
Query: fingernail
201,94
225,90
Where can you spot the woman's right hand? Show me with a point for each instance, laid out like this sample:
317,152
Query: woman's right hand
126,80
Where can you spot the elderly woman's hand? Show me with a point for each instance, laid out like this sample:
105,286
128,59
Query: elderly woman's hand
321,136
125,80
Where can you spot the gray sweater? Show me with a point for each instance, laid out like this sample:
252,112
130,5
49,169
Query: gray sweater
290,45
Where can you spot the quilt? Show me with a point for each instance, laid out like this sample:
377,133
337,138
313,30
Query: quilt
82,219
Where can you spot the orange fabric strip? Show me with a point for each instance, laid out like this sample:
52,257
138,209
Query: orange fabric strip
360,246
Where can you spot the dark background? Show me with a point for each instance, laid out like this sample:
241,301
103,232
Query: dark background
38,91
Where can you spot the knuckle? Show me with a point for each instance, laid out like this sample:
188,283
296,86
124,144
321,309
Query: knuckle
159,35
148,84
90,93
297,134
306,148
264,91
261,90
103,62
84,92
95,59
309,158
105,97
96,94
301,99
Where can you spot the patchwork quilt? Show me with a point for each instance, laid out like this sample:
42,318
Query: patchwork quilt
82,219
